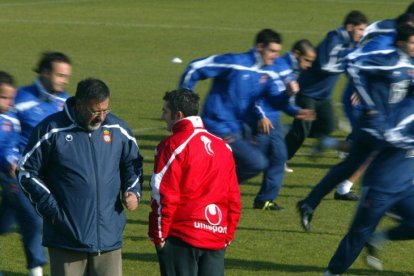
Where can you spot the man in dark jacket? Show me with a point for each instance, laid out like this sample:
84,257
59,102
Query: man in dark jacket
78,165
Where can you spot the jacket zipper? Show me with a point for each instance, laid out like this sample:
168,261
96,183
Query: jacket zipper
97,192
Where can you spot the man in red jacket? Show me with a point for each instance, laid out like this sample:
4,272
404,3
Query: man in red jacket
195,194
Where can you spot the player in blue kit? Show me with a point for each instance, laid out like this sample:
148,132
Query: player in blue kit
387,183
381,81
318,82
15,208
268,130
33,103
239,80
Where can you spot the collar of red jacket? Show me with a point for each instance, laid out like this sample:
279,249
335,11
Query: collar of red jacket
190,122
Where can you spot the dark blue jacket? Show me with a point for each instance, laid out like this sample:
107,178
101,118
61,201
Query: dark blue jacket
392,169
75,177
381,81
319,81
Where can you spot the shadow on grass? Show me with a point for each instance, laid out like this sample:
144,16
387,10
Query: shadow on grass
10,273
251,265
143,257
310,164
137,221
286,231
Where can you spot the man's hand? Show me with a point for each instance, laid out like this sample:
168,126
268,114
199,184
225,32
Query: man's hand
160,246
12,170
306,114
264,125
130,200
292,88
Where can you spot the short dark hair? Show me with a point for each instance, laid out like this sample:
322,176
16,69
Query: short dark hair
405,18
267,36
183,100
91,89
6,78
404,32
410,8
48,58
302,46
355,18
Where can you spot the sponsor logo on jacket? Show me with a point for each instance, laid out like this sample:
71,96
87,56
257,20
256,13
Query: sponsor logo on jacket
213,216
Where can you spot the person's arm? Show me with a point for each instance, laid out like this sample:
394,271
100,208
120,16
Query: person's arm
31,165
11,155
131,170
165,187
205,68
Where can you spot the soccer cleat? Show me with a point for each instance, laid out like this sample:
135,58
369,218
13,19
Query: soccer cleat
288,169
267,205
306,214
350,196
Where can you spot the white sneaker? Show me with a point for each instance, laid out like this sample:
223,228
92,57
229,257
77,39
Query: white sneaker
287,169
36,271
375,263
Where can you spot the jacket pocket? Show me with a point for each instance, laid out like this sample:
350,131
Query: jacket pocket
64,227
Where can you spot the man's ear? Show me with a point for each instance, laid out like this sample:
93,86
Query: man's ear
349,27
180,115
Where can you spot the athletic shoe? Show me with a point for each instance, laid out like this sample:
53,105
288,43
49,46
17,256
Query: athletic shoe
288,169
267,205
350,196
36,271
372,257
328,273
306,214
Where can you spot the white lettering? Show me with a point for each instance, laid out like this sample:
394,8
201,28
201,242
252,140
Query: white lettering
211,228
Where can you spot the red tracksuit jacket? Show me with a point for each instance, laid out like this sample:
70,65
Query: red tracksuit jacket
195,193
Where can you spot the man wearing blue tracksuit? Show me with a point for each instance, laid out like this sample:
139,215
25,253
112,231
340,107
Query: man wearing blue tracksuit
317,83
239,80
9,136
266,124
387,183
33,103
381,81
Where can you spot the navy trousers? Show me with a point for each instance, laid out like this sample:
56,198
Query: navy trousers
16,207
372,207
363,146
263,153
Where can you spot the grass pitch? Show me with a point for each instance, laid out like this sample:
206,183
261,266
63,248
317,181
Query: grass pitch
129,44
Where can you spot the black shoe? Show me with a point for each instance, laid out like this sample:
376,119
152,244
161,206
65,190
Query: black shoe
350,196
306,214
267,205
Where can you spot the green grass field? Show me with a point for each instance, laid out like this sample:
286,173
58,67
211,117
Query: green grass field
129,44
